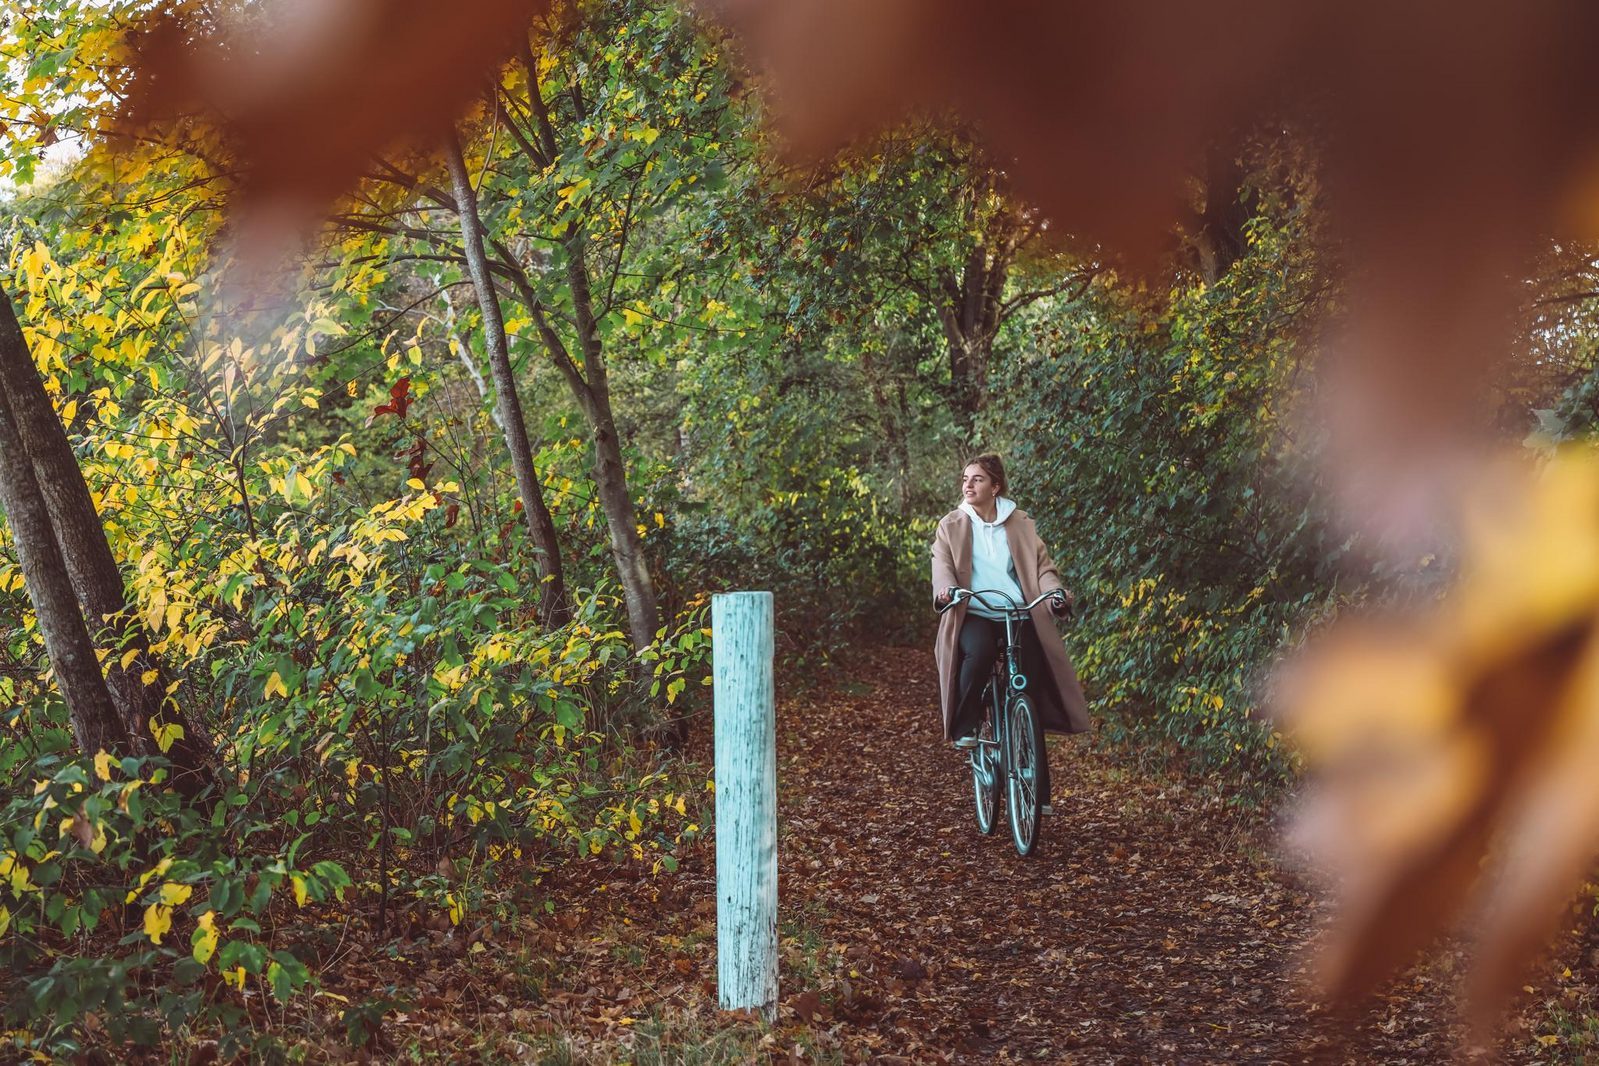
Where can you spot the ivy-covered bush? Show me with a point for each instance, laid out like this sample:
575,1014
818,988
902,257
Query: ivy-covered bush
1149,431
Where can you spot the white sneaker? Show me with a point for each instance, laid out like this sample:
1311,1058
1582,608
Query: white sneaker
966,742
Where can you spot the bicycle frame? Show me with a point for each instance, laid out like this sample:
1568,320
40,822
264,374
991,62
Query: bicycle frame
1007,673
1007,676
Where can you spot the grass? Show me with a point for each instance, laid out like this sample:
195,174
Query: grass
1569,1036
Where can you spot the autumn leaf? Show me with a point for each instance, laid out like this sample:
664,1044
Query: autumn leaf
1429,737
166,734
398,403
204,938
157,920
174,894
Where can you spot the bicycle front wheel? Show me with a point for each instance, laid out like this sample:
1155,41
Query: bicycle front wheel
1024,754
986,778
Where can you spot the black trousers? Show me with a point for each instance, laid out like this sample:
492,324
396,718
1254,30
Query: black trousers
980,639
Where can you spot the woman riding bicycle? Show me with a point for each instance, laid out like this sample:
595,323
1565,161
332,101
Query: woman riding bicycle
988,544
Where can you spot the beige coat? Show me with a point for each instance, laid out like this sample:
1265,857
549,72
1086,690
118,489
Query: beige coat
1060,703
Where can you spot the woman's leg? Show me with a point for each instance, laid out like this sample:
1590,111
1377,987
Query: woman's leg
979,647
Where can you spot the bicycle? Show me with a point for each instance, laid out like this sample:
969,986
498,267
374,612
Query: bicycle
1010,741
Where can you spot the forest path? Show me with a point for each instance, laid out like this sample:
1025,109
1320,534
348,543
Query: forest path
1153,924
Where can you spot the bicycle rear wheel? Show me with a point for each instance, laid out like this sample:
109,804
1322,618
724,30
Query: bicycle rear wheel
986,778
1024,754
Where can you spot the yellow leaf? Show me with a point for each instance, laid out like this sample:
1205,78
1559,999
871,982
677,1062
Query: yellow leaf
204,939
166,735
157,920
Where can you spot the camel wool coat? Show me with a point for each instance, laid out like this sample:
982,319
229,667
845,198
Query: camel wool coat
1059,697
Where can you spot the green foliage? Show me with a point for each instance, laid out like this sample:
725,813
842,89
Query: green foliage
99,851
1147,437
836,559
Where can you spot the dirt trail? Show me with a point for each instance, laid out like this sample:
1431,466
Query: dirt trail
1152,925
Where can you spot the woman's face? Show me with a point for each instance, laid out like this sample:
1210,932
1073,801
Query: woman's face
977,487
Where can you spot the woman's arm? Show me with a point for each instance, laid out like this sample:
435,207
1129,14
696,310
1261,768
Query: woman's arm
943,567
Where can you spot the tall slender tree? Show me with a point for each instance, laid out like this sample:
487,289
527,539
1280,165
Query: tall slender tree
132,674
95,719
554,604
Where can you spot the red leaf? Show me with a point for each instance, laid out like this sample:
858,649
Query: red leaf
400,392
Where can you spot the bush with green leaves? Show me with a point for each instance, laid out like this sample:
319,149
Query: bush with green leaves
835,558
381,705
1149,429
126,908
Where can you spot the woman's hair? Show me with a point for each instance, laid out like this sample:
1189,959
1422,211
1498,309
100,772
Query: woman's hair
994,467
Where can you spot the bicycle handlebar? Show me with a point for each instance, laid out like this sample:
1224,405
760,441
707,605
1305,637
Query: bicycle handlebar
1010,606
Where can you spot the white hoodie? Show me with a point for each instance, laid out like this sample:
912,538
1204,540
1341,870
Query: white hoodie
992,566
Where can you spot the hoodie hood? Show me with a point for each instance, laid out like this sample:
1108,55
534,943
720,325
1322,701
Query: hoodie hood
1002,510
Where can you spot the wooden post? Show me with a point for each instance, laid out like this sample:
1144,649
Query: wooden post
746,801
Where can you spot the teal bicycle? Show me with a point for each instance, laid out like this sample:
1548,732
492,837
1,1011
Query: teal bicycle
1009,756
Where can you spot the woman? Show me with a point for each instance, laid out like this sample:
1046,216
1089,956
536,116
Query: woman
987,543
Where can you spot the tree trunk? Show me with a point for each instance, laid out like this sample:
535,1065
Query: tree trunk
589,384
892,414
1218,233
553,603
902,451
971,316
95,719
627,547
610,472
92,569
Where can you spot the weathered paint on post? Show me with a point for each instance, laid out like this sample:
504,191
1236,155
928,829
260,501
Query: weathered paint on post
746,801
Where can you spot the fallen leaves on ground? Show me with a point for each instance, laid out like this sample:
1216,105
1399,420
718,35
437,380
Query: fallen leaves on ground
1152,924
